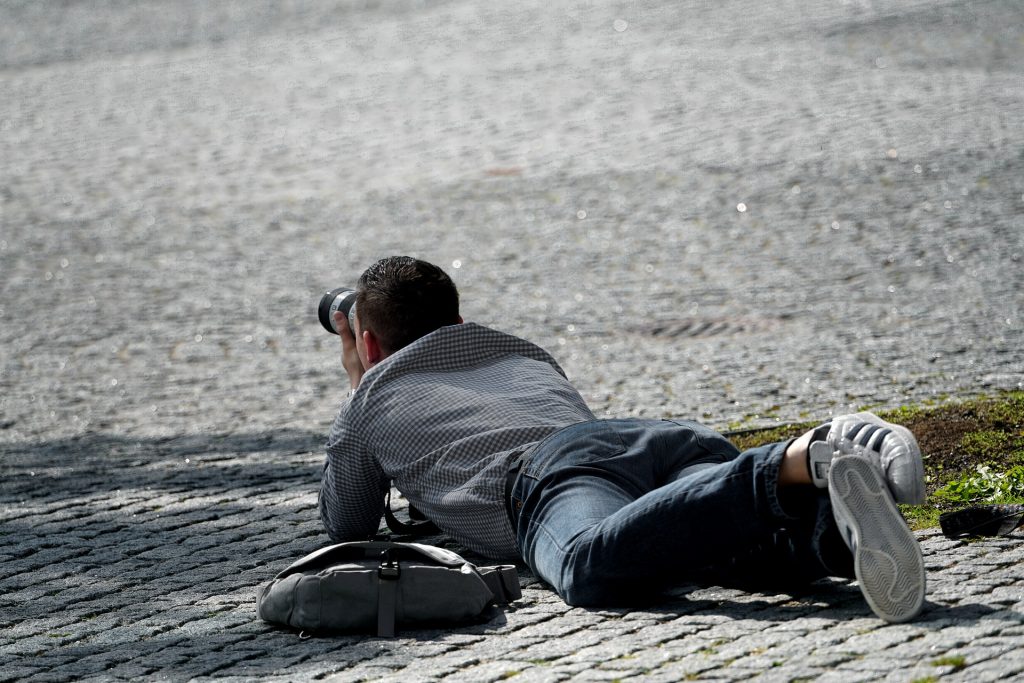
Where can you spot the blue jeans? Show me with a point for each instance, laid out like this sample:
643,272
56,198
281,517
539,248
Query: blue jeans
610,511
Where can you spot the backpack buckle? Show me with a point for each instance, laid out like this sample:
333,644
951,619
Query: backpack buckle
389,568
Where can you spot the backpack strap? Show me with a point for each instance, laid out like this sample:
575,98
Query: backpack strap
424,528
387,594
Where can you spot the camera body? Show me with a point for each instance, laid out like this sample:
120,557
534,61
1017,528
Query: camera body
341,299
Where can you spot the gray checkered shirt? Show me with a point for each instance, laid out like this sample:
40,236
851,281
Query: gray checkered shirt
444,418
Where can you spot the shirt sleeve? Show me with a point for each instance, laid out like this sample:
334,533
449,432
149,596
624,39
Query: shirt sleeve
353,485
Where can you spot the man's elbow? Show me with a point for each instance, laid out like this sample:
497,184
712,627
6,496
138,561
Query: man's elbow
340,530
335,531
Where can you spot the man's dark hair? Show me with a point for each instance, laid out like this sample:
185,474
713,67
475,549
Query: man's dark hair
401,299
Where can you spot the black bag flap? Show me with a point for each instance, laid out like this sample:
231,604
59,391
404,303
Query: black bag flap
356,551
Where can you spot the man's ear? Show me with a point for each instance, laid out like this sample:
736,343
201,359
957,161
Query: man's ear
459,321
374,354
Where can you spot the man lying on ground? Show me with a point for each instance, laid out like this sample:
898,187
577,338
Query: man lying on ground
482,432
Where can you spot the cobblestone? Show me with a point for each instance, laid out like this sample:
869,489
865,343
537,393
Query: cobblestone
745,213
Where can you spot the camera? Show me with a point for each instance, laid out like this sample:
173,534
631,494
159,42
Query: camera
341,299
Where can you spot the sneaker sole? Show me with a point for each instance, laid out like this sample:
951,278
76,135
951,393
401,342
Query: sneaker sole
887,560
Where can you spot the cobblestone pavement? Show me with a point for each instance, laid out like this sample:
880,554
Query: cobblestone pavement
748,213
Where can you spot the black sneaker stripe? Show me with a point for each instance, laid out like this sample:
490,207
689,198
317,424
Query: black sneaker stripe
855,430
881,439
865,436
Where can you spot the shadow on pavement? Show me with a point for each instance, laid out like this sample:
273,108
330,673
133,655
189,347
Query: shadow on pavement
99,461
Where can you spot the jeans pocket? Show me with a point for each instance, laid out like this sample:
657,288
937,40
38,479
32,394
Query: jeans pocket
710,441
578,444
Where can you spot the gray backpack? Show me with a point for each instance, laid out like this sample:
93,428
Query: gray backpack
374,585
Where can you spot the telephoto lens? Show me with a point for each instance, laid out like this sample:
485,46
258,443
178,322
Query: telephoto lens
341,299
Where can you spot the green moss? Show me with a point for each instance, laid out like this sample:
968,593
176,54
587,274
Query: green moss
758,437
1008,411
903,414
921,516
956,661
985,443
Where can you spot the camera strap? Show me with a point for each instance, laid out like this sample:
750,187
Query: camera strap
423,527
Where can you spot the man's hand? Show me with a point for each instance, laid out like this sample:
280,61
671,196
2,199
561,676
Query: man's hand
349,353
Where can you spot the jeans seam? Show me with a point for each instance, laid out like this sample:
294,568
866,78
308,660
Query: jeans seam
772,465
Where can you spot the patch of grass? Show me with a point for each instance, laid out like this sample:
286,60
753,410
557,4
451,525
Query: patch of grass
1006,412
750,438
983,442
956,661
973,451
921,516
905,414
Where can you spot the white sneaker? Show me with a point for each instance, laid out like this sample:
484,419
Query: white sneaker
891,448
886,556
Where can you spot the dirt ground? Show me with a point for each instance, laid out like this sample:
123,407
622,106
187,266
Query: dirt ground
957,438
